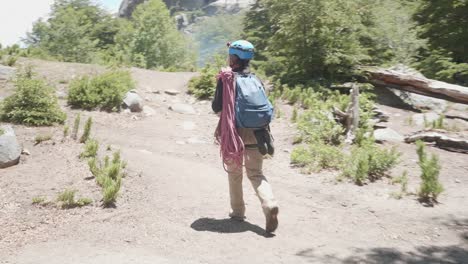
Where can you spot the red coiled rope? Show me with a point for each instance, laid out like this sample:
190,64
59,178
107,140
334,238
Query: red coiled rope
232,146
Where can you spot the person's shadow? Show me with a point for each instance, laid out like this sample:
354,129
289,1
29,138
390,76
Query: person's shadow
228,226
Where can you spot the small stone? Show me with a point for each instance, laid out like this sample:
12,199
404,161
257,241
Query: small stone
457,181
127,111
287,150
156,92
387,134
133,101
10,150
134,117
188,125
148,111
171,92
26,152
182,108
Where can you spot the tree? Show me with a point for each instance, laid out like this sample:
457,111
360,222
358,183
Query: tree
152,39
75,31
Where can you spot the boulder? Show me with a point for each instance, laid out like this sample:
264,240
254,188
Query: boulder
133,101
425,118
182,108
10,150
387,134
420,102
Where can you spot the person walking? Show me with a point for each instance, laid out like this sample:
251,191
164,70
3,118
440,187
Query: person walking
243,131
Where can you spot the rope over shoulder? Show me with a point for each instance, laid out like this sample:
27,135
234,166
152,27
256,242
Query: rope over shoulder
232,146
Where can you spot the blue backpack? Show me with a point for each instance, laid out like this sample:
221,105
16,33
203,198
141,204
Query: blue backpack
253,109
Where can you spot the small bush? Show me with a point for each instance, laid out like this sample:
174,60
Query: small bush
369,162
316,157
66,131
39,200
403,180
294,115
2,131
67,200
108,174
76,126
41,138
11,61
91,149
105,91
430,170
204,86
87,130
33,103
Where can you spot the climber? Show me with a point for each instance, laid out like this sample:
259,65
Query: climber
243,131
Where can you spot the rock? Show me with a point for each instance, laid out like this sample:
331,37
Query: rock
10,150
227,6
424,119
26,152
148,111
6,72
420,102
134,117
188,126
172,92
182,108
133,101
388,134
381,115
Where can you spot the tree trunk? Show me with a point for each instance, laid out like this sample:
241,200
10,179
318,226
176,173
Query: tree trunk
417,84
441,140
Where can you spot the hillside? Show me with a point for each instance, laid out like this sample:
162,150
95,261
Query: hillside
174,202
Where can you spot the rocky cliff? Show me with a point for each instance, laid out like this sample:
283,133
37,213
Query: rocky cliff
210,7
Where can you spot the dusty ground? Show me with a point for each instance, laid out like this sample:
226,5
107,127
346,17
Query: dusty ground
174,202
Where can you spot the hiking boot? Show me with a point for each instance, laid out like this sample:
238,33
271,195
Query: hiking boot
271,219
261,143
237,217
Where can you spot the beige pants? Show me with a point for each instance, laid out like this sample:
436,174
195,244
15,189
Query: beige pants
253,162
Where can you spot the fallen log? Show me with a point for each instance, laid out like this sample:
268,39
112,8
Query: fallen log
417,84
441,140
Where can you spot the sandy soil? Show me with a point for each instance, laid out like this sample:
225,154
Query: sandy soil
174,202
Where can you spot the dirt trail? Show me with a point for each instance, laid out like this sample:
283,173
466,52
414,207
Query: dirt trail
174,202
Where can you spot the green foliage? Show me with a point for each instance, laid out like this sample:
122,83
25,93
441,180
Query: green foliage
75,31
91,149
87,130
39,200
323,41
430,188
105,91
76,126
151,39
9,60
369,162
403,180
108,174
41,138
316,157
294,115
33,103
1,131
66,131
204,85
67,200
443,23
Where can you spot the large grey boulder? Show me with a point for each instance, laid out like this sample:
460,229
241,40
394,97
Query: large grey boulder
424,119
133,101
10,150
387,134
421,102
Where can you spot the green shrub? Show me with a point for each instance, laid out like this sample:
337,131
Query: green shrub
204,86
316,157
369,162
66,200
33,103
294,115
66,131
430,170
319,126
38,200
105,91
87,130
108,174
403,180
76,126
1,131
11,61
91,149
41,138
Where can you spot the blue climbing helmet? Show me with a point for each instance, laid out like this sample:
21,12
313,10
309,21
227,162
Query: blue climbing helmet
242,48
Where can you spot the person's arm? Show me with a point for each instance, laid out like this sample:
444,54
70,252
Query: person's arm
217,104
